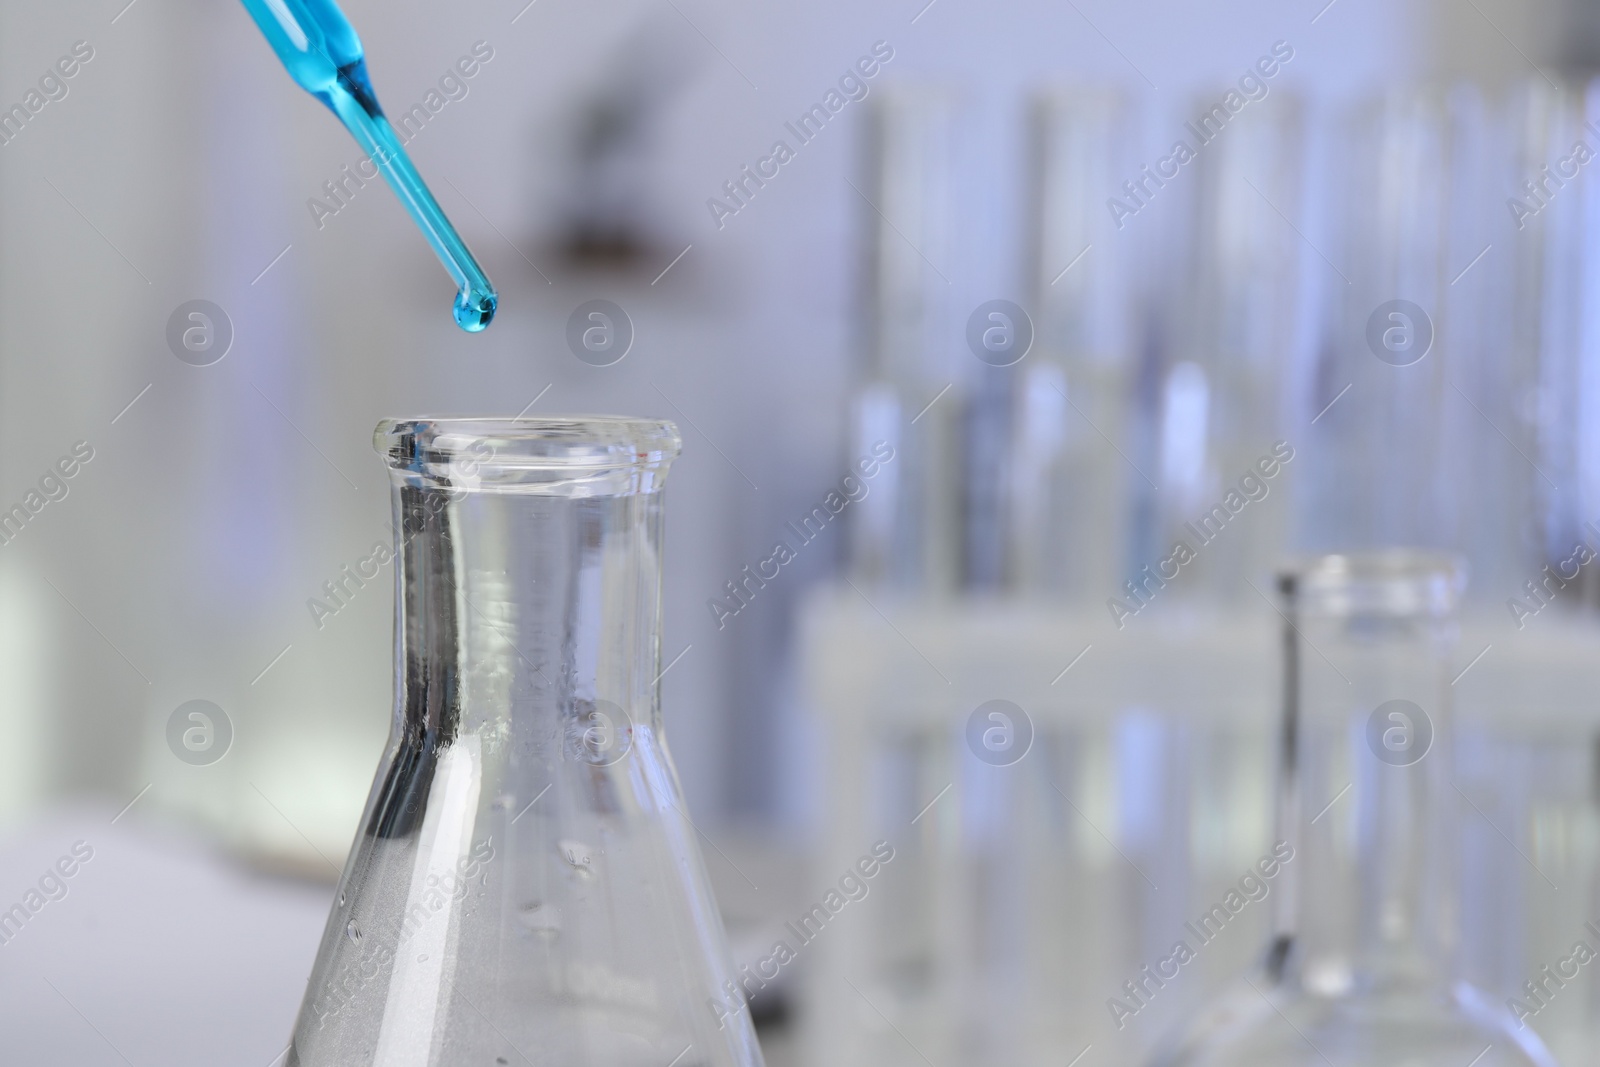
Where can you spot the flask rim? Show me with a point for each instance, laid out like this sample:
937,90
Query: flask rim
502,453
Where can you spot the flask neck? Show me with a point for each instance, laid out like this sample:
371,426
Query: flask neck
519,606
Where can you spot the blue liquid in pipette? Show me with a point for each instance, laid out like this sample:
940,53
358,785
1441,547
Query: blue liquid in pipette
322,53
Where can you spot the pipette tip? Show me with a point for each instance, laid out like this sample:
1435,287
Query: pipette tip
475,310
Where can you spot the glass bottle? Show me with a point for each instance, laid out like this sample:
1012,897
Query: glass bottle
1360,969
526,886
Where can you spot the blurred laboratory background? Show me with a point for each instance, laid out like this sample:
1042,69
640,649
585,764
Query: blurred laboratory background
1031,295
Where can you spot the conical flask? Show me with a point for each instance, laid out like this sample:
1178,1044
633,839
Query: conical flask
526,887
1360,972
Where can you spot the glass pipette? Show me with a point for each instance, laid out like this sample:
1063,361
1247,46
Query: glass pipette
322,53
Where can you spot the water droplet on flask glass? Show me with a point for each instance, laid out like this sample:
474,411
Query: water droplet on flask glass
578,855
540,918
341,898
353,932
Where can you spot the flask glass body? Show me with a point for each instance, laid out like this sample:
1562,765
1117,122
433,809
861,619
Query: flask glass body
1360,969
526,885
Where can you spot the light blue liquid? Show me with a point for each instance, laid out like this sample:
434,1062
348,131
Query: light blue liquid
322,53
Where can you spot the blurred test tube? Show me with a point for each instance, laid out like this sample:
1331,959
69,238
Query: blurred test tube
906,533
1546,395
1374,416
1067,505
1220,406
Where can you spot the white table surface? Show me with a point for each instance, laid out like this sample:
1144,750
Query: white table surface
164,952
161,953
